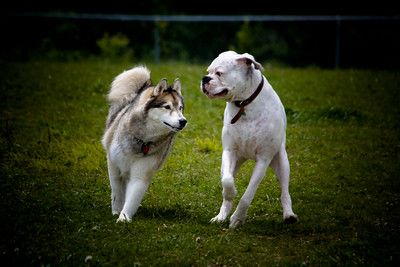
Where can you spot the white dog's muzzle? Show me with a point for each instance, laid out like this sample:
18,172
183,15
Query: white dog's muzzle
205,86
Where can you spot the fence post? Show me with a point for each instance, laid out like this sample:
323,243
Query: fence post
337,48
156,34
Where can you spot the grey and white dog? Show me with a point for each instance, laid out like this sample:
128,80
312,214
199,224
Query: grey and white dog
254,128
141,126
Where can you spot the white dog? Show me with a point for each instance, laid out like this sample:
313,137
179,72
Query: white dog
254,128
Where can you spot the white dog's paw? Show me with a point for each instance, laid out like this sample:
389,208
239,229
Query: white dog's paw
218,219
236,223
291,218
123,218
237,220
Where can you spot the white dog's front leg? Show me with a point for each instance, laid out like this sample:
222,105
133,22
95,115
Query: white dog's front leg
135,190
239,216
228,169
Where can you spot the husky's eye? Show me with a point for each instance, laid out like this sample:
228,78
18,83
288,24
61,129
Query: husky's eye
181,108
167,107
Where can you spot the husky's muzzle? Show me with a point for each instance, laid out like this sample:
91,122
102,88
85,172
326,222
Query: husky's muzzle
182,124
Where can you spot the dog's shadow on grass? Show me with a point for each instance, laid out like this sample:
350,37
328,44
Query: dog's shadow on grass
181,213
176,213
172,213
272,227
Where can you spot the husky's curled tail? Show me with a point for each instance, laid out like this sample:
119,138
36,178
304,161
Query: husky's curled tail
125,87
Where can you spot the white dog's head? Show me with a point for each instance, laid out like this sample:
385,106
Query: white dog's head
230,75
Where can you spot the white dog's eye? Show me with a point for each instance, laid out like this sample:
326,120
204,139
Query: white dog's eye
218,73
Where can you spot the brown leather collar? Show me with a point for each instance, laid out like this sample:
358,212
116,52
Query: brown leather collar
242,104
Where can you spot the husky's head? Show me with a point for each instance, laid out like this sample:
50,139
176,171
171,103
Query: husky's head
166,105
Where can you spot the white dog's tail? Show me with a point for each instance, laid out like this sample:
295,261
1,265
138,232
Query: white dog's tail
126,85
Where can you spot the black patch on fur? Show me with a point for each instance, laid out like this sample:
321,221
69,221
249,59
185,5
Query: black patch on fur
144,87
155,102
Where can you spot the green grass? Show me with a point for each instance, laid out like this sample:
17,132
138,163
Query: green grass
343,145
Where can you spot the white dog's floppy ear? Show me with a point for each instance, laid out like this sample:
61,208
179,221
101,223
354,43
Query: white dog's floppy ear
177,86
160,87
248,59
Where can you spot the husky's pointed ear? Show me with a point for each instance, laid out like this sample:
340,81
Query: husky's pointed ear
248,59
177,86
160,87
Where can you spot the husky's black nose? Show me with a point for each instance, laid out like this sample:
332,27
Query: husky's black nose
182,123
206,79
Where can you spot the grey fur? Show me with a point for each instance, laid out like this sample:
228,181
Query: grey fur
140,129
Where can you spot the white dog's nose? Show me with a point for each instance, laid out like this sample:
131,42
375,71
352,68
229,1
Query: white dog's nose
204,83
206,79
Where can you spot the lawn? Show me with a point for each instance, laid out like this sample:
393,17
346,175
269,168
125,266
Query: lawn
343,144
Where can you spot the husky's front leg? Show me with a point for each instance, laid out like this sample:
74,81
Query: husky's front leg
141,173
135,190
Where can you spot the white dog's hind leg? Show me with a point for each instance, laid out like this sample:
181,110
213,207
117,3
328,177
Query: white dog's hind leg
280,165
117,188
239,216
229,167
135,190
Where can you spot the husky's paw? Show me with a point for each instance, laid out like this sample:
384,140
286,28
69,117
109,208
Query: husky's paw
115,212
218,219
290,219
123,218
116,207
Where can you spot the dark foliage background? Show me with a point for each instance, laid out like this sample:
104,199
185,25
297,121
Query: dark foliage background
365,44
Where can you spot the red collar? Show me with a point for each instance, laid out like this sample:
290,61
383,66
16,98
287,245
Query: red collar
242,104
144,147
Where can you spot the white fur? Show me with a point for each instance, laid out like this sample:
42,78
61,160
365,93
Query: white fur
129,188
259,135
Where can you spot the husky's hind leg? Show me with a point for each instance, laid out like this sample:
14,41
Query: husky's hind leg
117,188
